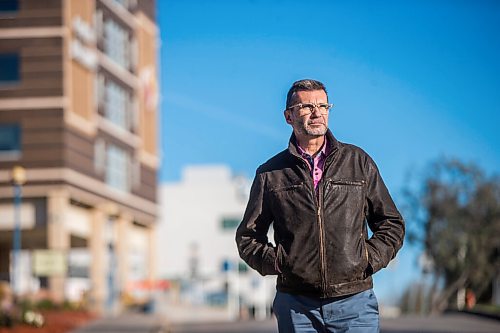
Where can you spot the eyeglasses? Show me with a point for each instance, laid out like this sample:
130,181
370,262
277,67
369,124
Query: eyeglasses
308,108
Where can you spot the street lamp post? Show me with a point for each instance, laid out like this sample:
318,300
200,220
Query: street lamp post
18,179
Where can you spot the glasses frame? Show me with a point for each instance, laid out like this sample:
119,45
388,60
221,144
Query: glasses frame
314,105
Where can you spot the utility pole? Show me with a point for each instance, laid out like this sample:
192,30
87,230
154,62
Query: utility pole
18,180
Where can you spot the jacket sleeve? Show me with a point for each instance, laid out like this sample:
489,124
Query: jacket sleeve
384,221
251,235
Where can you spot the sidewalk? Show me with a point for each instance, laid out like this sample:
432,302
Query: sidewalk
126,322
181,314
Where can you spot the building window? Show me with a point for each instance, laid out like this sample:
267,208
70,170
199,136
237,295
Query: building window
117,168
79,261
230,223
9,6
116,42
10,141
117,105
9,68
242,267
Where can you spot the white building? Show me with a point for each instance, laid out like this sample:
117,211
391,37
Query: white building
196,241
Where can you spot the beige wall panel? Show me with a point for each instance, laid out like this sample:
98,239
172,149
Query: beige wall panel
58,237
150,140
147,62
82,91
82,79
84,9
147,48
97,247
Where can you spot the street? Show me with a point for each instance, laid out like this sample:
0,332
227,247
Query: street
449,323
136,323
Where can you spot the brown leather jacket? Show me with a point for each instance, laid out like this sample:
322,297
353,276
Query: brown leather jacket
322,245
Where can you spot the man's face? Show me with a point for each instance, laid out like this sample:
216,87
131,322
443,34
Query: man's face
310,125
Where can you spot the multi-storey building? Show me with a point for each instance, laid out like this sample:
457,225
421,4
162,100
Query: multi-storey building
78,110
199,217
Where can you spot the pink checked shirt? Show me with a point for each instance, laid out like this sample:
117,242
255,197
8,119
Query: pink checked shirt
316,163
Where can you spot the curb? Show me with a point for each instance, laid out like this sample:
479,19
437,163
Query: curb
476,313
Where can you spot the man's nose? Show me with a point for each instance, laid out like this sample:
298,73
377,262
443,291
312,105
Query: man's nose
316,112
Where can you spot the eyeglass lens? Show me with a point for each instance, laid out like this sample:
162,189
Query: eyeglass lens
308,108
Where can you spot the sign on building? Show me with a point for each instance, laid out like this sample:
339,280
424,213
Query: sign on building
49,263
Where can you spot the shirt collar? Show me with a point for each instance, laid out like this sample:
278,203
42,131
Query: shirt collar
332,145
322,151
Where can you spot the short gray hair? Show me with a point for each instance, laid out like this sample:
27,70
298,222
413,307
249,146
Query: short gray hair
303,85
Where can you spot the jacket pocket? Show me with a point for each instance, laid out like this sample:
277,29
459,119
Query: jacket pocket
286,203
281,259
285,188
351,182
345,185
344,201
368,270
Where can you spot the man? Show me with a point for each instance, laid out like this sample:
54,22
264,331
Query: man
320,194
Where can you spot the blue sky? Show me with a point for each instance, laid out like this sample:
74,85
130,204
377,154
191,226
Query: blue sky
411,81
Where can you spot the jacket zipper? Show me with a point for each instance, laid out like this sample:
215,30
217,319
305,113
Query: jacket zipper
319,203
348,182
317,199
322,256
322,250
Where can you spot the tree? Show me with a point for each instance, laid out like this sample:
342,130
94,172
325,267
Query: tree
455,212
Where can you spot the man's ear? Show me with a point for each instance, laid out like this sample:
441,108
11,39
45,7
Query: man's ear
288,116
